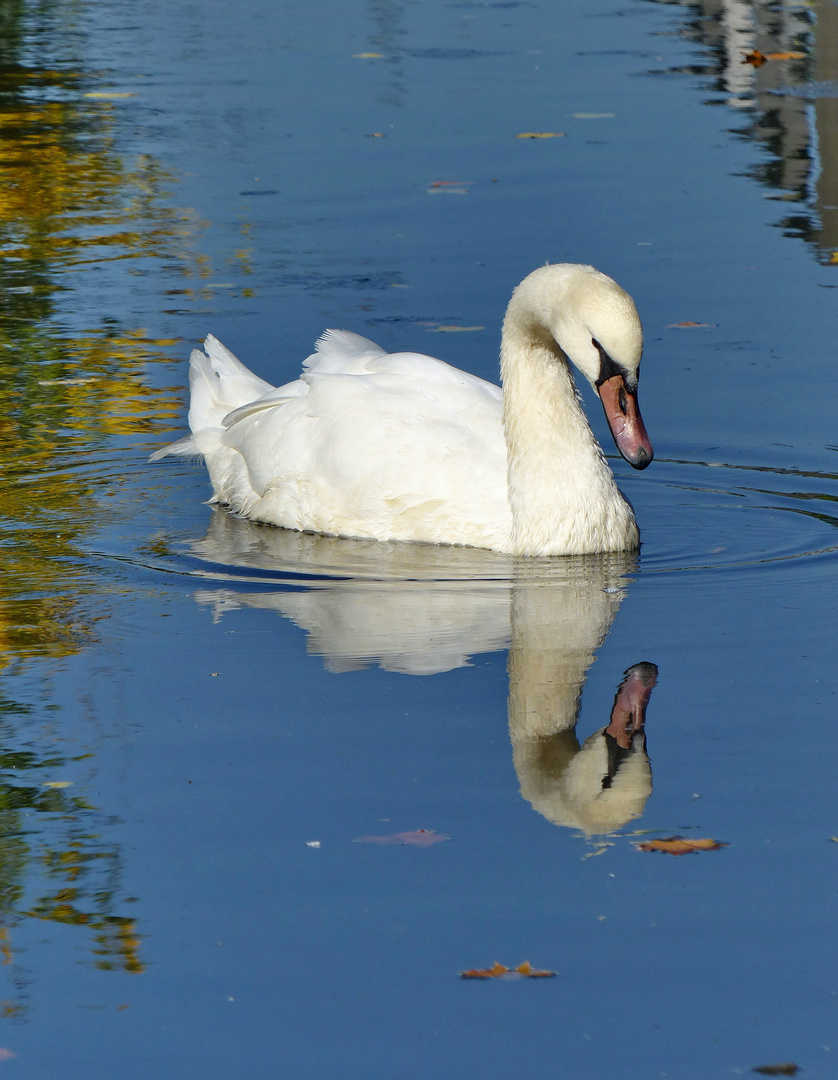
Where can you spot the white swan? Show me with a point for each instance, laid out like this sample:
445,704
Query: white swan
402,446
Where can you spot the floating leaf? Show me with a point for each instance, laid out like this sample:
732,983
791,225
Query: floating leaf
449,187
6,1055
498,971
533,973
680,845
58,783
593,116
540,135
453,329
368,56
679,325
757,59
785,1068
417,838
108,94
375,134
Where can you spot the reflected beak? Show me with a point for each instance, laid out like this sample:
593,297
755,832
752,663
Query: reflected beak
625,421
628,716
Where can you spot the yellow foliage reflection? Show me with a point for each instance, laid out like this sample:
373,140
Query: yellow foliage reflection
83,225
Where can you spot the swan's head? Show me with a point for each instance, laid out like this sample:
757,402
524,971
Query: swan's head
596,325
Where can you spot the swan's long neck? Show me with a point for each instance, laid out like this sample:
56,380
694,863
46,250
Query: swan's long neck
561,491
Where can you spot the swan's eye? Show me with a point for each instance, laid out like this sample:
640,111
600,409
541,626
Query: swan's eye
621,401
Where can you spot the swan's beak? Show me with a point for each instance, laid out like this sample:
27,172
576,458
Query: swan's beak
625,421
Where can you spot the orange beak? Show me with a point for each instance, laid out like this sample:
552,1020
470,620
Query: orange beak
625,422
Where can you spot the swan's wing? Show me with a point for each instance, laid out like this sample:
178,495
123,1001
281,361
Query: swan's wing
340,352
219,382
372,453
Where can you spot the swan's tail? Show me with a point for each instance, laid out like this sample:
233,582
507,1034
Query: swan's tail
218,383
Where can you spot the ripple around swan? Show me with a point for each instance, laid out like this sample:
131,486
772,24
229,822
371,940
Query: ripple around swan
695,515
712,515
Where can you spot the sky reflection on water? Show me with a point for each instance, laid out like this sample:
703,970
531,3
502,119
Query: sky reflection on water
189,701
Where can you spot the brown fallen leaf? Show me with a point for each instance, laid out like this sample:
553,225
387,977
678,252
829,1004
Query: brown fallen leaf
757,59
498,971
417,838
540,135
449,187
678,325
680,845
785,1068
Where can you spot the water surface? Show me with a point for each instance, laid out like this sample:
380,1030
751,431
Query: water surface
200,715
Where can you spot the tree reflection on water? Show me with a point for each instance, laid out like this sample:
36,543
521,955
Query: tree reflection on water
74,389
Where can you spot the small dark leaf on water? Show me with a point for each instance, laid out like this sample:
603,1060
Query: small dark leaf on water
418,838
785,1068
680,845
498,971
679,325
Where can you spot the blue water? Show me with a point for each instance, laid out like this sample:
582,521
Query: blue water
228,707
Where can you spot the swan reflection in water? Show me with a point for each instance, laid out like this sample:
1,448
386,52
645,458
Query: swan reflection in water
421,609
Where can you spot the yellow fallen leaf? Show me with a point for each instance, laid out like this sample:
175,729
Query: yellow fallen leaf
533,973
540,135
108,94
368,56
833,258
57,783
